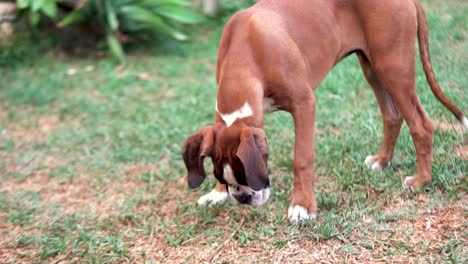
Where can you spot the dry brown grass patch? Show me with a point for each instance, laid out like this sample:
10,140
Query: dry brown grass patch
449,126
462,152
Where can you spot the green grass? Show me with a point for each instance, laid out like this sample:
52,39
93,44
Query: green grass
91,169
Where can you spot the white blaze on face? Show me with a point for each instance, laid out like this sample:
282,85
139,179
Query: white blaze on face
228,175
242,112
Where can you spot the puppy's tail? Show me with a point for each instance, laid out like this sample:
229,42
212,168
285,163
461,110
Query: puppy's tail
423,39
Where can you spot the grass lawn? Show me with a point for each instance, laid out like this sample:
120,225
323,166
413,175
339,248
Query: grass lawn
91,167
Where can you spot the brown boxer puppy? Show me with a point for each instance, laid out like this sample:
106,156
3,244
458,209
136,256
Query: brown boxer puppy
274,55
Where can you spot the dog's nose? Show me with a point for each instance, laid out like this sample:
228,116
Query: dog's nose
243,198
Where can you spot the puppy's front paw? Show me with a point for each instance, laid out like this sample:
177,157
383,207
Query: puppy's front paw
375,164
297,213
413,183
213,197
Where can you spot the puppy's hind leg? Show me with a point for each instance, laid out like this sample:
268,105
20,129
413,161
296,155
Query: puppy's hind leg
400,83
391,117
391,51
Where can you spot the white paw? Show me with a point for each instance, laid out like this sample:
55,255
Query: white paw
407,183
212,198
373,164
465,123
297,213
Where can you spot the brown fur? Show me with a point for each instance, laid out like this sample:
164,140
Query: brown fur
284,49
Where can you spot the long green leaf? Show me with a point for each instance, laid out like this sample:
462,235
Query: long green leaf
22,4
74,17
120,3
133,26
153,3
111,16
179,14
151,21
49,8
136,12
115,47
36,5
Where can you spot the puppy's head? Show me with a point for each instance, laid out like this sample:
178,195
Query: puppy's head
239,154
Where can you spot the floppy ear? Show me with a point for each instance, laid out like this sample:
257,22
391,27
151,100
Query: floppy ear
196,147
253,153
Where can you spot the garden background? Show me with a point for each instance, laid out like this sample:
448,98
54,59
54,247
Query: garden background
94,111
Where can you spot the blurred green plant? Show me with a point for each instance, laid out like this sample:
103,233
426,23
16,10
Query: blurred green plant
232,6
134,17
38,8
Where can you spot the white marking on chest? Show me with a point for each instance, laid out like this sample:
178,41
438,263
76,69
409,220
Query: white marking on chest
230,118
228,175
269,105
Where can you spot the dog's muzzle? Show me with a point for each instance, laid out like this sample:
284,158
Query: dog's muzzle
246,195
